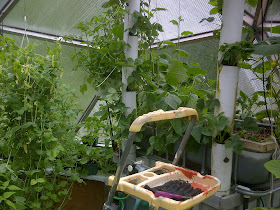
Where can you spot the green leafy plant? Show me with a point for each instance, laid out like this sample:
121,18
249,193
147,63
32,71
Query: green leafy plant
37,133
232,54
10,193
162,81
246,106
267,71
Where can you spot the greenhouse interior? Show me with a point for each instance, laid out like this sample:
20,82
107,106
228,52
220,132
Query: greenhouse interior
140,104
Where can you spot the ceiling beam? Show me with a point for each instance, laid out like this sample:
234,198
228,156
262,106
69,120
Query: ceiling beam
51,37
267,26
194,38
43,36
248,20
7,8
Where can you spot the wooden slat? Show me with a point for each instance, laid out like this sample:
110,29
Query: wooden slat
258,146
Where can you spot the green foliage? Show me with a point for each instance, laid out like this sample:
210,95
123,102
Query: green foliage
265,49
162,81
271,80
245,105
275,29
37,134
264,208
252,3
233,53
273,166
218,5
209,19
104,59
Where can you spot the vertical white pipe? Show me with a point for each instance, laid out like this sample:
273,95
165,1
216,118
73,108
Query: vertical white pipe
233,12
131,51
227,83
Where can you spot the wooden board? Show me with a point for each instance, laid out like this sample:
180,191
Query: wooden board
258,146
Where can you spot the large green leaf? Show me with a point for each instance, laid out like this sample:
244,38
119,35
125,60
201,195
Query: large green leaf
197,133
28,124
13,187
33,181
173,101
181,52
250,124
177,126
276,29
8,194
11,204
187,33
263,113
118,31
172,138
267,50
273,166
252,3
222,121
196,71
192,102
176,74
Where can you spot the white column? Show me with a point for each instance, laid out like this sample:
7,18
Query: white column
227,83
131,51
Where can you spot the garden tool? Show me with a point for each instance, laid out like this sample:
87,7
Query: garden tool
162,172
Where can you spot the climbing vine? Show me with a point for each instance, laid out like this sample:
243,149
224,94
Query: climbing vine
37,131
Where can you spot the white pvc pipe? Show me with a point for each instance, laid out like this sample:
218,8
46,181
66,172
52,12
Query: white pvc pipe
233,12
226,92
131,51
222,167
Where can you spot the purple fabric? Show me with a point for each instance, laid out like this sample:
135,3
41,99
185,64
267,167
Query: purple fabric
167,195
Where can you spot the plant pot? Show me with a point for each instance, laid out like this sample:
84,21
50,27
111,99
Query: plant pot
221,161
250,167
92,168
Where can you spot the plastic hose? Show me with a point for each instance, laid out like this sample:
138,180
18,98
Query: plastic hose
121,204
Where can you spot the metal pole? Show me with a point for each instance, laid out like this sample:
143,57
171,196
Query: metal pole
184,141
119,172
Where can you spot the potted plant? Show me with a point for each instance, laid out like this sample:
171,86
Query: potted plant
222,151
257,150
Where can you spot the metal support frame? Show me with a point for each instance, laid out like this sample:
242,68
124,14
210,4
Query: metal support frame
88,111
43,36
89,108
120,169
